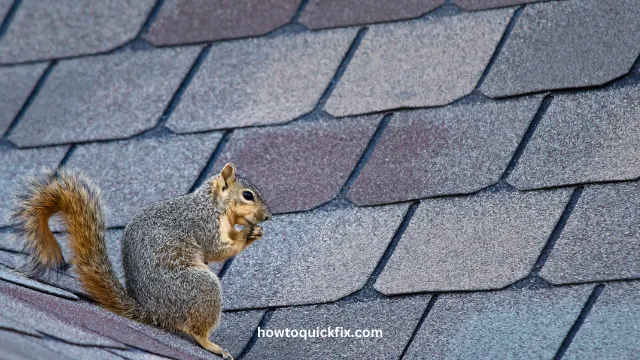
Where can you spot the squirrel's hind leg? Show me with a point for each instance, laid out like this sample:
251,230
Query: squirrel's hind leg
204,341
204,315
200,333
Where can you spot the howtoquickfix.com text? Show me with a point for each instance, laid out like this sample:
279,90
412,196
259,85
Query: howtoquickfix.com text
328,332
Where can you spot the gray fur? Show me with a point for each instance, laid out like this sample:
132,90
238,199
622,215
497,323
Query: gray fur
177,227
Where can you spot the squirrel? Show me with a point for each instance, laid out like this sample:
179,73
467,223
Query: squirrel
165,248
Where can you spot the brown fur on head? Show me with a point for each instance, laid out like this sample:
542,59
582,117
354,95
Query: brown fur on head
245,203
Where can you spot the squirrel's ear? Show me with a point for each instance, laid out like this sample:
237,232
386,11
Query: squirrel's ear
228,174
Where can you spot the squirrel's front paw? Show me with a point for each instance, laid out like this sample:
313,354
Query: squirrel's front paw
255,233
226,355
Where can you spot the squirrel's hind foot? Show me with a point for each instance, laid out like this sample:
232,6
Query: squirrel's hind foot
213,347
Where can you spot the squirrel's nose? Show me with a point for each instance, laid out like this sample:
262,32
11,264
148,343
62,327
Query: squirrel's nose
267,216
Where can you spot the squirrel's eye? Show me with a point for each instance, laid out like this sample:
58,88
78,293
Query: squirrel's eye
247,195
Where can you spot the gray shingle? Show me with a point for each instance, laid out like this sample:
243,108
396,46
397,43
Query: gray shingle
18,346
181,22
104,97
91,317
5,5
51,325
46,29
566,44
11,276
478,243
232,334
8,241
600,241
418,63
488,4
318,257
12,260
502,325
451,150
585,137
16,84
299,166
611,329
15,165
332,13
135,173
132,354
76,352
58,279
396,319
13,325
235,330
261,81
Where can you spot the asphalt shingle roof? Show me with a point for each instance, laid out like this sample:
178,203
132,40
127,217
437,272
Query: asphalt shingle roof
460,174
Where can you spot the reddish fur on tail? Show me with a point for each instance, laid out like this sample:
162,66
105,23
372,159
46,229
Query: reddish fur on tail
78,201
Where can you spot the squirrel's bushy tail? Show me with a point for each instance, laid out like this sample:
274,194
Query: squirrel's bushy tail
78,201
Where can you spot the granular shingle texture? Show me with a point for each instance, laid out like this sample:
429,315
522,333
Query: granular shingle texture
505,325
611,331
261,81
16,83
236,329
10,324
181,22
488,4
365,126
11,276
321,257
9,242
46,29
16,165
452,150
395,318
566,44
58,278
104,97
17,346
5,5
479,243
332,13
601,240
77,352
585,137
299,166
51,325
136,173
233,333
418,63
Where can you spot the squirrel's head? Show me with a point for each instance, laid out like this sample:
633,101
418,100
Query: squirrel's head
243,200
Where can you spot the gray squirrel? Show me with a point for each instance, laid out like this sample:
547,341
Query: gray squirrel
165,252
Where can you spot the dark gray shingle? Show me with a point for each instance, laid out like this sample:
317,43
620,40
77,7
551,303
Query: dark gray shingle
104,97
601,239
418,63
311,257
478,243
260,81
450,150
46,29
396,319
501,325
566,44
